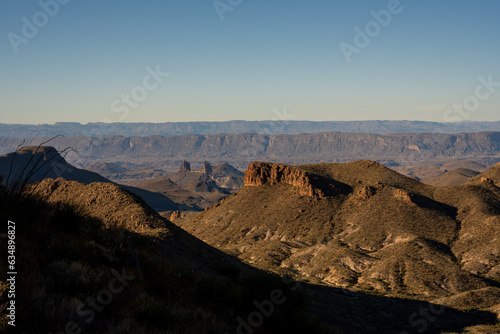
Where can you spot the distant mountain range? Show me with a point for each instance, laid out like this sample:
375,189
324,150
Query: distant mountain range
240,149
70,129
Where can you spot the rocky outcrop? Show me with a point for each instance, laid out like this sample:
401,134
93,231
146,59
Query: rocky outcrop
404,196
176,215
185,167
207,169
364,193
486,180
259,173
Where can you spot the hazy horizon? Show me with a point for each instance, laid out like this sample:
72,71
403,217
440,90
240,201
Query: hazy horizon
237,166
155,62
256,120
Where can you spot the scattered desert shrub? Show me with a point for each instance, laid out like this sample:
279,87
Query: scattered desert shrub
71,256
218,293
228,271
71,277
69,218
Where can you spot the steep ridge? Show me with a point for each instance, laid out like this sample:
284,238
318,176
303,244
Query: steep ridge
241,149
117,207
105,201
37,162
97,259
188,190
383,232
259,173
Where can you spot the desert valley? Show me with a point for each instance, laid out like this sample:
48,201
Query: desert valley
344,244
249,167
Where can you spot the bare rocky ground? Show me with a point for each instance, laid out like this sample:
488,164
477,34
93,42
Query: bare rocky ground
366,230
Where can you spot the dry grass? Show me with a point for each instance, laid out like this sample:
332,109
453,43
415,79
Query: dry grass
384,233
67,255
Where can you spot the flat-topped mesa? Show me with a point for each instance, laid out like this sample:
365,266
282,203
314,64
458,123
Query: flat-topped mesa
259,173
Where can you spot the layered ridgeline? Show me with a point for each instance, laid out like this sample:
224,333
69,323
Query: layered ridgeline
239,150
364,227
71,129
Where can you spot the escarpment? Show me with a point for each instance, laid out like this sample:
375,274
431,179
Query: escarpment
308,184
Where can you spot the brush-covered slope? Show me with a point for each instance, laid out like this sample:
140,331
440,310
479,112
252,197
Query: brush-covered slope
492,174
96,259
361,226
455,177
119,208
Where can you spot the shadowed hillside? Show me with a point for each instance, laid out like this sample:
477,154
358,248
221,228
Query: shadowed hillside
96,259
34,163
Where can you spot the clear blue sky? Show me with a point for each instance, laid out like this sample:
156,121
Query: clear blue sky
264,55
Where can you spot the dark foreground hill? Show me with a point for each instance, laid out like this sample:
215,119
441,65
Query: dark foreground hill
363,227
96,259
